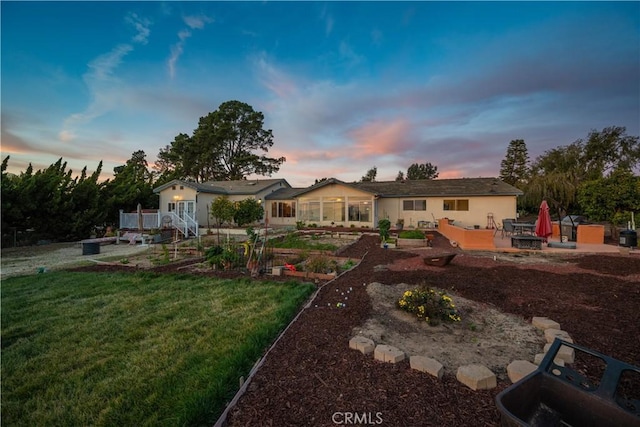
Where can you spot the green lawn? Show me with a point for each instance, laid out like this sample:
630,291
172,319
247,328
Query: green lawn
133,349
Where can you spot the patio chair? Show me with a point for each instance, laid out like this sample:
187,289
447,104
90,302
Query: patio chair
496,227
507,226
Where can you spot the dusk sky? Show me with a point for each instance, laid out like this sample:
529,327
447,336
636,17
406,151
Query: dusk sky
343,86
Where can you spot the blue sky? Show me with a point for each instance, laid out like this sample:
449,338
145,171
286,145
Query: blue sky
343,86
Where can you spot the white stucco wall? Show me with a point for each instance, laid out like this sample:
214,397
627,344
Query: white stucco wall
479,208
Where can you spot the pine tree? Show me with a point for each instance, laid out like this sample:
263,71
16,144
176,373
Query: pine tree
514,167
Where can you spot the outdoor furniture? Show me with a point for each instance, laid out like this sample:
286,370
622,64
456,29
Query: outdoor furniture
507,226
92,246
440,260
521,241
524,227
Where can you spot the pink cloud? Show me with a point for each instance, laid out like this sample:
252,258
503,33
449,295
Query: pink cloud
381,137
454,173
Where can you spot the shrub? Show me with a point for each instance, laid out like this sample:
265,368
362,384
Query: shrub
432,306
411,234
384,225
318,264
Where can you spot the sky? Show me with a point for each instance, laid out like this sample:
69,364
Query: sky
344,86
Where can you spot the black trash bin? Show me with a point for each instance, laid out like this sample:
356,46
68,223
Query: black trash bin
629,238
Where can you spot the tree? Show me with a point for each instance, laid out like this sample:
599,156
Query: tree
560,173
371,175
87,207
222,210
514,166
248,211
609,150
400,176
222,148
132,185
555,176
612,198
422,171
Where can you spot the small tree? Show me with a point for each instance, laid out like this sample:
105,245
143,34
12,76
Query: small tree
384,225
248,211
222,210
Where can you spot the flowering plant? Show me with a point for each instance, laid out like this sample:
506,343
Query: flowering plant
432,306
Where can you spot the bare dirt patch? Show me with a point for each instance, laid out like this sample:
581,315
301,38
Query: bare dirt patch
484,336
56,256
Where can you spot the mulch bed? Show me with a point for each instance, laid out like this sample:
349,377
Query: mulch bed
311,374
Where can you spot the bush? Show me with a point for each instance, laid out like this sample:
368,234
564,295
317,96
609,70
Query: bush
318,264
384,225
411,234
429,305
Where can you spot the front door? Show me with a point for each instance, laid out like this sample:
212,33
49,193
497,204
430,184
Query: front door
186,207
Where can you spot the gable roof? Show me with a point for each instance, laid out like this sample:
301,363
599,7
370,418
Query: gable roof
240,187
331,181
284,194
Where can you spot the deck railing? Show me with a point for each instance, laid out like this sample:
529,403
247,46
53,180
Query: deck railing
148,221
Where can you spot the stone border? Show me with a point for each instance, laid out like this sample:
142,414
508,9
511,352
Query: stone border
476,377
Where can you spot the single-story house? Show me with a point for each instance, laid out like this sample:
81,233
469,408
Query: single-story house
467,201
190,201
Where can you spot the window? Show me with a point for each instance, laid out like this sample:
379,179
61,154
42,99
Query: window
359,209
171,207
333,209
456,205
283,209
414,205
309,210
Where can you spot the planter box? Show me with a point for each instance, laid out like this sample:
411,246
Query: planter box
411,243
309,275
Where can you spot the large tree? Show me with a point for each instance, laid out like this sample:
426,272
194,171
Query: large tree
514,166
419,171
612,198
228,144
132,185
559,174
371,174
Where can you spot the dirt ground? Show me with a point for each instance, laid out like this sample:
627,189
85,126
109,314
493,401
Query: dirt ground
56,256
485,336
310,374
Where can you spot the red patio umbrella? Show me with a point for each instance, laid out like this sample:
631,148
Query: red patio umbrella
543,225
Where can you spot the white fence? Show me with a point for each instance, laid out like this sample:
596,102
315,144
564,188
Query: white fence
148,221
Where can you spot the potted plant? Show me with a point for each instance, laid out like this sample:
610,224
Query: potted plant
400,224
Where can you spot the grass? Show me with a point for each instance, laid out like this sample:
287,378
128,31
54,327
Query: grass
133,349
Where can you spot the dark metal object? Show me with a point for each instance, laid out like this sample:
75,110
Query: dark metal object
554,395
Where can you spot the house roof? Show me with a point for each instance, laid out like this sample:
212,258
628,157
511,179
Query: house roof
458,187
284,194
427,187
240,187
440,187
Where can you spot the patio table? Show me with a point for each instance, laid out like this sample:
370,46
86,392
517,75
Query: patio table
524,227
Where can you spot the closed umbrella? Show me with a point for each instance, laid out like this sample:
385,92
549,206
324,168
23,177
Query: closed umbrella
543,225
